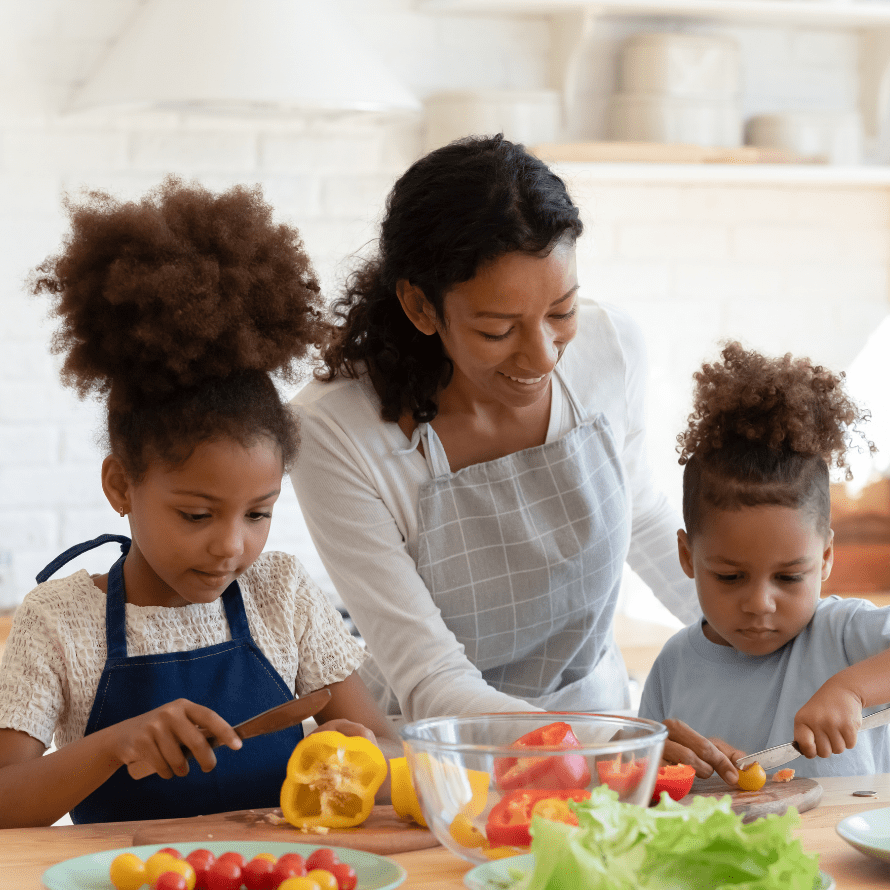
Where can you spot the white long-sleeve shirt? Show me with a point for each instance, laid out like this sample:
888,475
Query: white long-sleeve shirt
359,497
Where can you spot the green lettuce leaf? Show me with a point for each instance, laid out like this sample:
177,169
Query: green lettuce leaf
618,846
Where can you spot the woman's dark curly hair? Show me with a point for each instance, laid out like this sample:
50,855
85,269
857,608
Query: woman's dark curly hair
452,212
178,308
764,431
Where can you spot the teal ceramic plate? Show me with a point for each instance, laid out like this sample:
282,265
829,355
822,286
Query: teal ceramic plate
496,875
868,832
91,872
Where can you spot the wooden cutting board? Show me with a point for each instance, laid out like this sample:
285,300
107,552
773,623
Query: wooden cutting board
774,797
382,832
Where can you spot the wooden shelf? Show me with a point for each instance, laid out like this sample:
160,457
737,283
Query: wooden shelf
839,13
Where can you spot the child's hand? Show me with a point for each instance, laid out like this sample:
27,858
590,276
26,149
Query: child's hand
685,745
157,738
346,727
829,722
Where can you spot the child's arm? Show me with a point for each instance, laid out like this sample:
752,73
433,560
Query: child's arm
829,722
707,755
38,789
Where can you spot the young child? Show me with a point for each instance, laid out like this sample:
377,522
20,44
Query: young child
770,661
176,309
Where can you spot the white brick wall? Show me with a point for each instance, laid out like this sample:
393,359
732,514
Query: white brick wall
800,268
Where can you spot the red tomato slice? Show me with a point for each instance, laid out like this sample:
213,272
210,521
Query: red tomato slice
676,779
568,771
510,818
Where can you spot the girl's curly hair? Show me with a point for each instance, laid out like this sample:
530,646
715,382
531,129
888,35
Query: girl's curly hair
177,308
764,431
454,210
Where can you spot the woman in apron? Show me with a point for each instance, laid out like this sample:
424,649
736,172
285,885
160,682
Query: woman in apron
177,308
472,467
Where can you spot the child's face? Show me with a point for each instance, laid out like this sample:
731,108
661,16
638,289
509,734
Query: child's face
758,572
198,526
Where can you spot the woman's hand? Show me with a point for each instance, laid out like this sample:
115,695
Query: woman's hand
685,745
829,722
157,738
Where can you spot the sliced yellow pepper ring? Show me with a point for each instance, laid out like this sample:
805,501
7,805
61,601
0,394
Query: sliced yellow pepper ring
404,797
331,781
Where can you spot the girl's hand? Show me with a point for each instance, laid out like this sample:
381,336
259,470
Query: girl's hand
685,745
346,727
159,736
829,722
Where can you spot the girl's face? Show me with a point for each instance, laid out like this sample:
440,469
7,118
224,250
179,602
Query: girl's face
507,327
758,572
198,526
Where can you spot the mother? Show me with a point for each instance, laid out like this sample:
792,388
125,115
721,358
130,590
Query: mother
472,467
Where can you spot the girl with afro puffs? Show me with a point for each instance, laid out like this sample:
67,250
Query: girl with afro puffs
769,661
176,309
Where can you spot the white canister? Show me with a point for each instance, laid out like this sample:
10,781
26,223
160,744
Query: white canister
648,118
687,65
527,116
830,136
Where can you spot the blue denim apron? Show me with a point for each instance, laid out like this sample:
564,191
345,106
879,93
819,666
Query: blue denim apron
233,678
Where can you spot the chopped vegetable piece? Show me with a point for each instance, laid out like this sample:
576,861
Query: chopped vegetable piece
331,781
753,778
404,797
510,819
553,771
783,775
622,778
674,779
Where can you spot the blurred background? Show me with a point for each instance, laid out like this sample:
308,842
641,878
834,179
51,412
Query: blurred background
730,158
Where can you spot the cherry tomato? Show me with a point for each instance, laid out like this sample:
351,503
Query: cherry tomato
323,857
224,874
345,875
324,879
127,872
170,880
257,874
753,778
301,883
172,851
200,860
156,865
290,865
232,856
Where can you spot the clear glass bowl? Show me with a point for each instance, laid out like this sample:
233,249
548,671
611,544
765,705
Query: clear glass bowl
464,767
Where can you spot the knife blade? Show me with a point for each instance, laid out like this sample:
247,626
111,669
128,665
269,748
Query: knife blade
274,720
780,754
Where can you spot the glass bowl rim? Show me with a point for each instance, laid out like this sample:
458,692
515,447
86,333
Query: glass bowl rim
658,734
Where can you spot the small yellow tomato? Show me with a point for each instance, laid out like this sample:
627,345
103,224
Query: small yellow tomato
270,857
184,868
465,833
753,778
299,884
324,879
157,864
127,872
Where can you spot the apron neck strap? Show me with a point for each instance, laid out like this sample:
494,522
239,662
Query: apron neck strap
78,549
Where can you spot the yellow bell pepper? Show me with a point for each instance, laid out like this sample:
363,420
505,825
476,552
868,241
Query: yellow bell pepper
331,781
404,797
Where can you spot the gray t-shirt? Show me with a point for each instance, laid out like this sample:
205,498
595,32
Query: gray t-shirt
750,701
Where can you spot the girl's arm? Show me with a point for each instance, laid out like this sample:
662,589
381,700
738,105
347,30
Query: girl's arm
829,722
37,789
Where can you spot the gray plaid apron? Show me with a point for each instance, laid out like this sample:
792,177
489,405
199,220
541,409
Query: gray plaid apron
524,556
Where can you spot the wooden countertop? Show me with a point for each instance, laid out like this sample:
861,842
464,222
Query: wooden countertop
25,853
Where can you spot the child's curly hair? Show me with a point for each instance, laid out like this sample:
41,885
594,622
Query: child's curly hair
178,308
764,431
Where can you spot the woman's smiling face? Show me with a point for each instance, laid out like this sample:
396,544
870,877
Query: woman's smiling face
506,328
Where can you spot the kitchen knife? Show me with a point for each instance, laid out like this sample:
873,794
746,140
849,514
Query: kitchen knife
771,757
273,720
